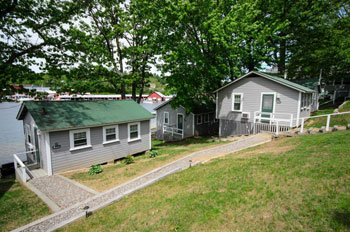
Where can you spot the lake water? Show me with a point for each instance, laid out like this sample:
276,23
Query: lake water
11,130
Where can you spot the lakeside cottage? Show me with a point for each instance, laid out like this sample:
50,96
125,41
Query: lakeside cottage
70,135
176,124
249,103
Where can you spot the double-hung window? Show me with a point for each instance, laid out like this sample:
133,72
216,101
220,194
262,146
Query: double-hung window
237,100
110,134
166,117
134,131
79,139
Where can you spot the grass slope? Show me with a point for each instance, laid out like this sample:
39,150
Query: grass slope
18,205
118,173
340,120
295,184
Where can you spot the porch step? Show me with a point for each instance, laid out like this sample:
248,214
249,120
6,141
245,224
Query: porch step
38,173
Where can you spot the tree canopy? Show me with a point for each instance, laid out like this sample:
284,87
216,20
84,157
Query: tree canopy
196,46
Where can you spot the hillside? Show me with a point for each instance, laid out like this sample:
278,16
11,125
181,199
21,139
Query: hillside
293,184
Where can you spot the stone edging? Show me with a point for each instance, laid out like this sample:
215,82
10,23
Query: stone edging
113,200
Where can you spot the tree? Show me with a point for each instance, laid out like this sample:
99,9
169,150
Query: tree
205,43
29,34
323,44
112,46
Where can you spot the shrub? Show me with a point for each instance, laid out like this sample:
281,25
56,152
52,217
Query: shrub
95,169
153,154
129,159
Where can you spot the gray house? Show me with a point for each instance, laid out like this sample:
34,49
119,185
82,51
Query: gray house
258,101
69,135
176,124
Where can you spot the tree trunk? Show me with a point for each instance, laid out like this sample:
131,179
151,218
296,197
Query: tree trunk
133,90
143,76
251,65
282,59
122,89
121,69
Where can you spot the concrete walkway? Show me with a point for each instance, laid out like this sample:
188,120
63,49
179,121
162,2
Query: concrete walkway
101,200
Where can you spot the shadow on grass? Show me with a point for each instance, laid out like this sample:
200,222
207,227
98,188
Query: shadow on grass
330,105
5,184
342,217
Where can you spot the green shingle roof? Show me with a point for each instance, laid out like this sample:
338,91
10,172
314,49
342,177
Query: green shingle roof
286,82
61,115
272,78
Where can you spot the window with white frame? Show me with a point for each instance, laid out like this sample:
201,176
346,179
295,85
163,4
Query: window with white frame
237,100
134,131
110,134
166,117
28,134
79,138
310,98
199,119
206,118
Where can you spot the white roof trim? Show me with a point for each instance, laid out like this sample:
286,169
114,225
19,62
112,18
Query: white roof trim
252,72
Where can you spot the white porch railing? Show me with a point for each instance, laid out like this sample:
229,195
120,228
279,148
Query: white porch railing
319,116
277,118
275,128
173,130
273,122
20,168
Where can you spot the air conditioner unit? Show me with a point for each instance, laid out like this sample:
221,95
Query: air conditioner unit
245,115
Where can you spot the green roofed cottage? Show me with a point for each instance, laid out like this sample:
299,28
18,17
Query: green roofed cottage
66,135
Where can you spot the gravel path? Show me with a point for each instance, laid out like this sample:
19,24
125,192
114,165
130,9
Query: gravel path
61,191
98,201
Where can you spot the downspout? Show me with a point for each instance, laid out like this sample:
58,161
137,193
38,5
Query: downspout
298,112
48,154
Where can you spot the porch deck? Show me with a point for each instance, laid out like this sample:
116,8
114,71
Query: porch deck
37,173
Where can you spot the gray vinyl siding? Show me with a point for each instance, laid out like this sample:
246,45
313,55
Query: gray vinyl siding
63,159
188,120
305,113
42,150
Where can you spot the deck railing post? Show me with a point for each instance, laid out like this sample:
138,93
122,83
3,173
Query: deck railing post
328,122
277,128
291,120
302,125
24,175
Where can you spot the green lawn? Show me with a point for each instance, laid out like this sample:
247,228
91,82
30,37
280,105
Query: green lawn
291,184
118,173
18,205
340,120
